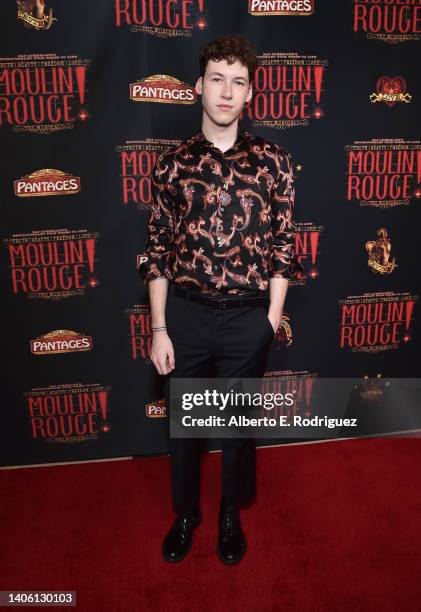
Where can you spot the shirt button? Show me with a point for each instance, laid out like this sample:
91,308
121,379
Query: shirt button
215,267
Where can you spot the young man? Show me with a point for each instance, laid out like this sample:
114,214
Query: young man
217,263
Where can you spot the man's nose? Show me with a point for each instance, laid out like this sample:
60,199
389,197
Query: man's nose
227,90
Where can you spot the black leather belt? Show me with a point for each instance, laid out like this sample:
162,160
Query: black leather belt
223,303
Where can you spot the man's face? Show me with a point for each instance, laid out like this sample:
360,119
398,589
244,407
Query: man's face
225,88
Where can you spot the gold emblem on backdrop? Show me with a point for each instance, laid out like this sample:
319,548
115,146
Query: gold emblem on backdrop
33,14
379,253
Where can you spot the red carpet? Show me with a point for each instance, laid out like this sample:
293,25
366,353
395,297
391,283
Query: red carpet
336,527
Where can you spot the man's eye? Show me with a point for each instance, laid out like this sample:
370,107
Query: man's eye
216,79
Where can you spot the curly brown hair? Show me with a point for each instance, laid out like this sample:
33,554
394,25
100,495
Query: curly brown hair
231,47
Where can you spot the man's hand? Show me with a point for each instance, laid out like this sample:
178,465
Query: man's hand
162,352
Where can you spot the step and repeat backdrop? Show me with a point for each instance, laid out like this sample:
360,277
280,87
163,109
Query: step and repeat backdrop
90,94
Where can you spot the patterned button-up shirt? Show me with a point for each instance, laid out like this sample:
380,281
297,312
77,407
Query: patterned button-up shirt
221,222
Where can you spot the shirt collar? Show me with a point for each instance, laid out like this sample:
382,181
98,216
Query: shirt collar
243,138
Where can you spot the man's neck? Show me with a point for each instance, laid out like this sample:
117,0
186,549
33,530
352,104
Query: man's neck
221,136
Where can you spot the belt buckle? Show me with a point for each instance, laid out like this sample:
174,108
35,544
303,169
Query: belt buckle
222,302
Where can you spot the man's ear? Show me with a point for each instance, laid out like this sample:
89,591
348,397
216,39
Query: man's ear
199,86
249,93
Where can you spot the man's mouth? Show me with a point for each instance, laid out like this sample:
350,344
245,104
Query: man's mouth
224,107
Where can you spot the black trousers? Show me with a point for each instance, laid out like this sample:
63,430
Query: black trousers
208,343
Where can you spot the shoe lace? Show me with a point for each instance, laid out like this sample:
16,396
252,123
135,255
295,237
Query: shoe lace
230,522
183,520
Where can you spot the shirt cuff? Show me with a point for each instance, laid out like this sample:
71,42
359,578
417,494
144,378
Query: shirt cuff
289,271
151,268
284,262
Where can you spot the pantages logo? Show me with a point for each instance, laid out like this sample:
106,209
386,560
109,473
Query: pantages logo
47,182
164,89
392,21
140,333
299,384
288,90
61,341
156,410
383,172
137,159
375,322
391,90
52,264
379,253
307,250
281,7
42,93
32,14
68,413
162,18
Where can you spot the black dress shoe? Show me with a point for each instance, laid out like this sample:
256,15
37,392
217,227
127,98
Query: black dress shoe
232,543
177,543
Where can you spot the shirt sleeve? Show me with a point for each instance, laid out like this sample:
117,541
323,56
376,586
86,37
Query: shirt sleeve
282,262
155,261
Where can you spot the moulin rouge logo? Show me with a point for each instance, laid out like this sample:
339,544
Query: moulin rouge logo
32,14
42,93
68,413
384,172
52,264
61,341
163,18
376,322
281,7
140,333
392,21
137,159
164,89
47,182
288,90
299,384
391,90
156,410
307,250
380,253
